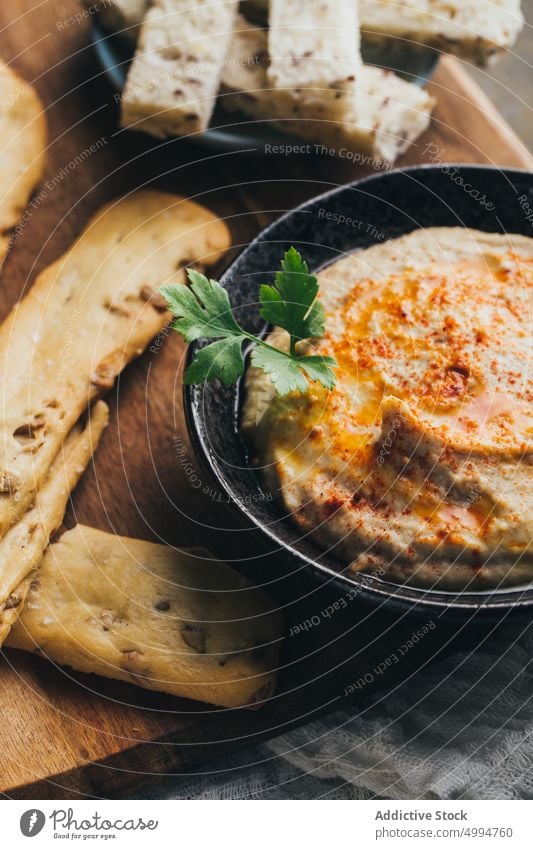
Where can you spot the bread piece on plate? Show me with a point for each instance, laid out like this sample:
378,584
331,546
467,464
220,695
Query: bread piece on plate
85,317
314,53
472,29
175,74
168,620
386,115
22,548
22,146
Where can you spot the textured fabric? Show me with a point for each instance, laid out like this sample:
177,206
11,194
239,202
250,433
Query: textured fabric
462,728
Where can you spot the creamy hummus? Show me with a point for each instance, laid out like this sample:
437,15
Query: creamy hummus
417,466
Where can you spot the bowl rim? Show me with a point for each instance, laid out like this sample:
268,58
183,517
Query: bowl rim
370,589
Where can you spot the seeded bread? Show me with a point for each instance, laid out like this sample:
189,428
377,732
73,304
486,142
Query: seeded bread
22,548
22,146
174,621
175,74
314,53
86,316
473,29
385,116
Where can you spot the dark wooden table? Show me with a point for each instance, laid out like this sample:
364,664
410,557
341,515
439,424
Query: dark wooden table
65,735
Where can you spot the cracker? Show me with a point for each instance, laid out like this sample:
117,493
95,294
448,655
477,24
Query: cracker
174,621
22,548
386,115
314,53
175,74
22,146
86,316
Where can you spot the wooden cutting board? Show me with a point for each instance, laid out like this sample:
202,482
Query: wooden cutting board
64,735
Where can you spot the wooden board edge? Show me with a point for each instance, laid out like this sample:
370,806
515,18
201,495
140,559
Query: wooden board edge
464,83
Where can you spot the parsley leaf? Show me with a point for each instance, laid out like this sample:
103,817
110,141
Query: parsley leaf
291,303
287,373
222,360
204,311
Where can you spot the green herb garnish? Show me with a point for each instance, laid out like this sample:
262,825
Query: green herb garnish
203,310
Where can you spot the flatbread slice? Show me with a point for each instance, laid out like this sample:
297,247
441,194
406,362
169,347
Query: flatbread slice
314,53
386,115
175,74
174,621
86,316
22,548
22,147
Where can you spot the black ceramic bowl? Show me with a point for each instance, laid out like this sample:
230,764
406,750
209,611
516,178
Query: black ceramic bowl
392,204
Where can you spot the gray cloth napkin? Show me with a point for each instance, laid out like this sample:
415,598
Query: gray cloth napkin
461,729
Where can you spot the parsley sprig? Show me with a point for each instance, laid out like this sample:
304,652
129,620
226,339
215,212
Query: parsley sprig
203,310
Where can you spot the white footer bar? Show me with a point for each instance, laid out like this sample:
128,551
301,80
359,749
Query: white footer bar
267,825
